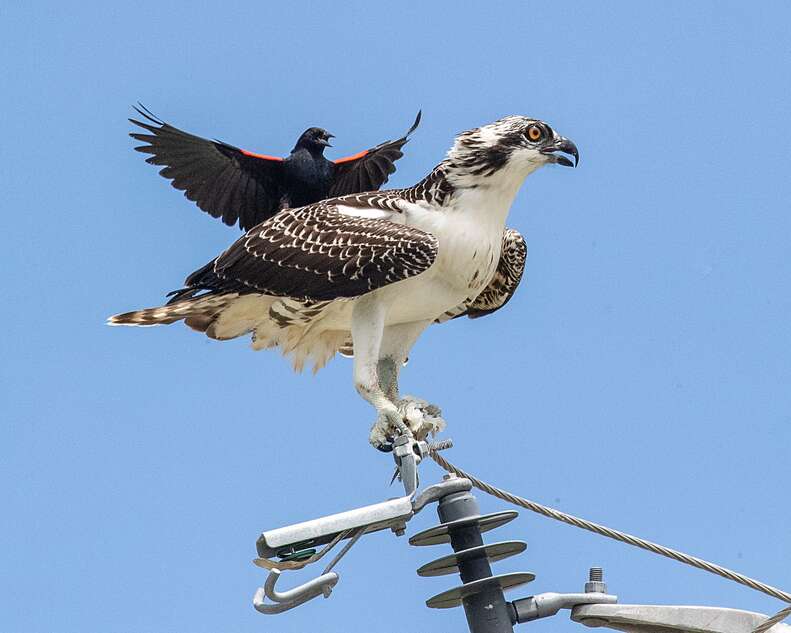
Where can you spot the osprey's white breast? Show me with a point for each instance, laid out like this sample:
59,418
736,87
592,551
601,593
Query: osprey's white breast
469,230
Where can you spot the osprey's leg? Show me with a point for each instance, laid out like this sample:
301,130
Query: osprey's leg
421,417
397,340
387,370
368,318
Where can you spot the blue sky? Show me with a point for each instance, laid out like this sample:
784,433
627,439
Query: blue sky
639,378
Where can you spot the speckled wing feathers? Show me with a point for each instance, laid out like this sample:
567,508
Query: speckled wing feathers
502,287
316,253
510,269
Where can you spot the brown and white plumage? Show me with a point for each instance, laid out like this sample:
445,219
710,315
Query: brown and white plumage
379,267
503,284
502,287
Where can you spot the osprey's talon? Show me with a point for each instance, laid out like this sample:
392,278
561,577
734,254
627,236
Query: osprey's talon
388,426
422,418
385,447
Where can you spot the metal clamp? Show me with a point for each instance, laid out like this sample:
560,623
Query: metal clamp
408,453
544,605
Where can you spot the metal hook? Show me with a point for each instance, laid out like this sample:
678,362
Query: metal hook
285,600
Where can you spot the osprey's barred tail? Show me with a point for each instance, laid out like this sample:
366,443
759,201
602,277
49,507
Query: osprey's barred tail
273,322
197,309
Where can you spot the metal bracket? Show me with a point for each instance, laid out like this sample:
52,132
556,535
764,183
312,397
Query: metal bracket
324,530
544,605
655,618
304,537
435,492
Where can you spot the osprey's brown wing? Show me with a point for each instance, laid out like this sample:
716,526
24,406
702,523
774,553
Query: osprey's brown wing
316,253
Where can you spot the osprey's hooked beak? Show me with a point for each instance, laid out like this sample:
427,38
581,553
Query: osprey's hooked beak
326,140
564,145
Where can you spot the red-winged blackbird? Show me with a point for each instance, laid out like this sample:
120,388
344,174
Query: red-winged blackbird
237,185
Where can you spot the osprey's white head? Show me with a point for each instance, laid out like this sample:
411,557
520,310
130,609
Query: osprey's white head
503,153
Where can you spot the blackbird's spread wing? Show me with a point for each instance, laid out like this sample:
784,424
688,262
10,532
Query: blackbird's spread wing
370,169
316,253
224,181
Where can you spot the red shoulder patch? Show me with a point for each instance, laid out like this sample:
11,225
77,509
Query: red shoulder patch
349,159
262,156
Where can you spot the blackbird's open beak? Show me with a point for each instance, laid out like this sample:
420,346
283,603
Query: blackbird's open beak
563,146
326,140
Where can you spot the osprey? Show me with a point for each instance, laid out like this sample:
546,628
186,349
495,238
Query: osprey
240,186
237,185
375,269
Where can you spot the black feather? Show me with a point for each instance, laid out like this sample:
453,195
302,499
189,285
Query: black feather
245,188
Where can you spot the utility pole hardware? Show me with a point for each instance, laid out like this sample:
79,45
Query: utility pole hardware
481,593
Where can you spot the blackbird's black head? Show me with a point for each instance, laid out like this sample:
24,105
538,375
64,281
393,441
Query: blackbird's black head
314,139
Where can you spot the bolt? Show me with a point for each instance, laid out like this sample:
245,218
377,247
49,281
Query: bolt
595,582
441,445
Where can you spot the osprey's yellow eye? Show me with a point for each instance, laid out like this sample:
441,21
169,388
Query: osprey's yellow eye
534,133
